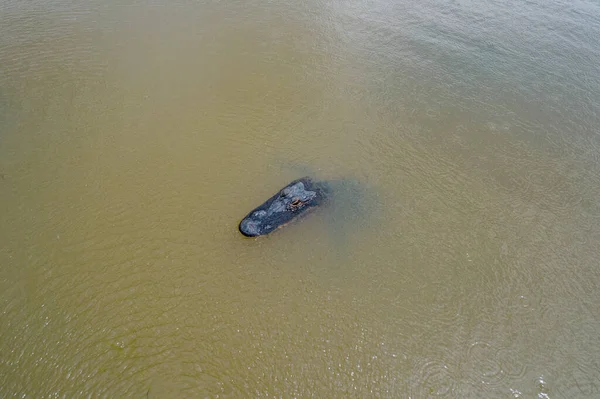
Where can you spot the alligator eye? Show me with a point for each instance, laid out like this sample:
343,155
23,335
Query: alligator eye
296,202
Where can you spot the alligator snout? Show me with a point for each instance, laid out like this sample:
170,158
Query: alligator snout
289,203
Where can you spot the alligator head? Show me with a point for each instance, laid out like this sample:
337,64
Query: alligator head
290,202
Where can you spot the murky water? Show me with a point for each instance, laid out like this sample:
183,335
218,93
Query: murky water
462,260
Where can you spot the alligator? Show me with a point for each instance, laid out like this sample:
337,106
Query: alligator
290,202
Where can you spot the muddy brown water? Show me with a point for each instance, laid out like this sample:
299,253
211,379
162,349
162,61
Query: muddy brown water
461,261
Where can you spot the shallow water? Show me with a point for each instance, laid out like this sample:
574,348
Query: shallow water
460,259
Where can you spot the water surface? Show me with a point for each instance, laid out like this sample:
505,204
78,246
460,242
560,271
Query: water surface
133,138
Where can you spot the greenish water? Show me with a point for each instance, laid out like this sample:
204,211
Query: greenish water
462,263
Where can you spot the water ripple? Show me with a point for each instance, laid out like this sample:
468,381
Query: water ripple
433,379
